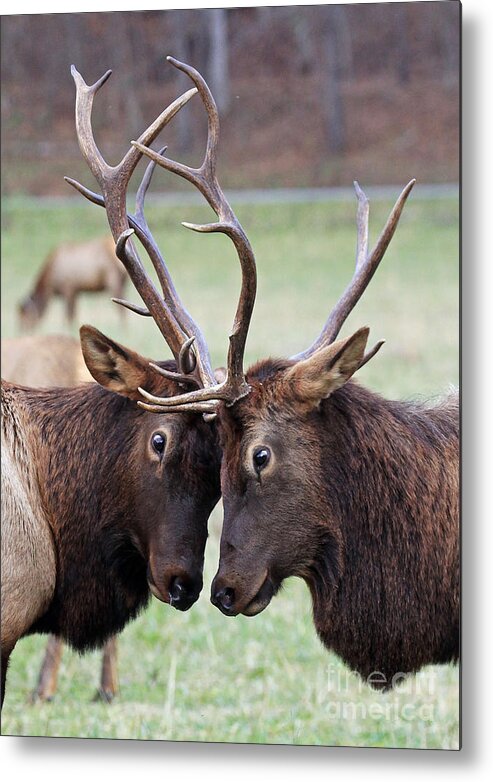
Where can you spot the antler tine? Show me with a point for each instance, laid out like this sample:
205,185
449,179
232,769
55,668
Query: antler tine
176,376
366,266
132,307
187,359
208,409
114,180
362,224
168,312
139,225
204,178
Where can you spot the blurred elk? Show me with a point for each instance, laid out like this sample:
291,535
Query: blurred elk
70,269
326,480
41,361
103,503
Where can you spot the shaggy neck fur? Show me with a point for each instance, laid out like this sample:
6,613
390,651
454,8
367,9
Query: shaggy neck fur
101,575
28,555
392,487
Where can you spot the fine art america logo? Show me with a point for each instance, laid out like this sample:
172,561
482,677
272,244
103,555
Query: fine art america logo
406,697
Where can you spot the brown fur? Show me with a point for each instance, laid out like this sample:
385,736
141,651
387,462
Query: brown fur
98,514
360,499
43,361
70,269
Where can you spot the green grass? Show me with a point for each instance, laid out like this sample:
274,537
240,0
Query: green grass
200,676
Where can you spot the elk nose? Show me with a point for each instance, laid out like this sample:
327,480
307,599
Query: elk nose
182,594
224,599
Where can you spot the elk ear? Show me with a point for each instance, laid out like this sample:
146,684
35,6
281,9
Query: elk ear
113,366
318,376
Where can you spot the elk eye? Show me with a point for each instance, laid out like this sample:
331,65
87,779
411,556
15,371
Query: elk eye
261,457
158,441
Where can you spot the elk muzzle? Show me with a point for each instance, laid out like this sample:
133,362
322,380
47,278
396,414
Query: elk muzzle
177,587
234,597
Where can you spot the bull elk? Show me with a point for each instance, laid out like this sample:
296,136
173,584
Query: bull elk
102,502
41,361
326,480
70,269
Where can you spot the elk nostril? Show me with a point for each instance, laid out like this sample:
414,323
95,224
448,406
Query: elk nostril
177,590
227,597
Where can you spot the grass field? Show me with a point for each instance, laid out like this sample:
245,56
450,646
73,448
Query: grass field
200,676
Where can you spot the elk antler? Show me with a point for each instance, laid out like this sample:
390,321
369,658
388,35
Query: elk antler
178,328
204,178
366,266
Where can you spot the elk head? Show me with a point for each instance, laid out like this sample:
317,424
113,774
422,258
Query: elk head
278,521
269,417
29,311
172,479
178,457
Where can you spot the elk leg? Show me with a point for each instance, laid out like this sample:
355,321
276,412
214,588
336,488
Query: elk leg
109,674
48,675
70,300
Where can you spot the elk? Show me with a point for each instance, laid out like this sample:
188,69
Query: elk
43,361
326,480
103,504
70,269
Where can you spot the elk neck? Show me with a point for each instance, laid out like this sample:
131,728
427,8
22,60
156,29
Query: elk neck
392,488
82,439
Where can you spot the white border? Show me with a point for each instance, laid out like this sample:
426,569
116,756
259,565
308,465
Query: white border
125,760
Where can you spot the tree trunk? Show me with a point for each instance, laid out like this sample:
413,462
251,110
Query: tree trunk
131,116
218,57
334,109
402,49
181,45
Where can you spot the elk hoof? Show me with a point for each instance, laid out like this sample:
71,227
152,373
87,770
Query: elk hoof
106,696
38,696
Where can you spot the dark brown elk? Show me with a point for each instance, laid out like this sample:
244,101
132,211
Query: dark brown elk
70,269
41,361
326,480
102,502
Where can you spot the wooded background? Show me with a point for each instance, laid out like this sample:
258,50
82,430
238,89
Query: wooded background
308,95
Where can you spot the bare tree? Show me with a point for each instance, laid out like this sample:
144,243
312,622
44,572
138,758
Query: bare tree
128,72
403,60
303,31
181,50
218,57
448,32
334,108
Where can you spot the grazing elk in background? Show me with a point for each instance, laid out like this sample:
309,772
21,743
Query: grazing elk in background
70,269
102,502
326,480
41,361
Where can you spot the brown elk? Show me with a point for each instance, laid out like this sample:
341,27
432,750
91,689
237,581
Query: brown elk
326,480
70,269
102,502
41,361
